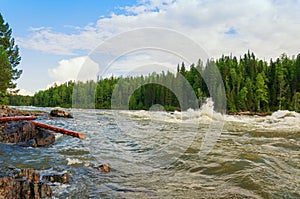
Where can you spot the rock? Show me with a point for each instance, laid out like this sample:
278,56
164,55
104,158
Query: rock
60,113
24,183
44,137
104,168
62,177
28,183
25,134
6,111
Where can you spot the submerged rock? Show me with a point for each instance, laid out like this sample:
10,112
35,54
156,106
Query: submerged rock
60,113
60,177
104,168
24,133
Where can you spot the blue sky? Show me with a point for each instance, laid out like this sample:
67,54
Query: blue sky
59,15
55,37
56,13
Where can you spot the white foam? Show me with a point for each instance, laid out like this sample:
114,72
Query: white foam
282,120
279,121
204,115
72,161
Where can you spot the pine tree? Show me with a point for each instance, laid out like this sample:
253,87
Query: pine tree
5,75
12,52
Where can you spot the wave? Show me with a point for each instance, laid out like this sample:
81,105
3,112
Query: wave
279,121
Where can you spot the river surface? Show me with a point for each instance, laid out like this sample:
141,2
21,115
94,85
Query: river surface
155,154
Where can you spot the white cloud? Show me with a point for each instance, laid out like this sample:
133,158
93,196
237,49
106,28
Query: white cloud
25,92
266,27
135,63
142,63
78,68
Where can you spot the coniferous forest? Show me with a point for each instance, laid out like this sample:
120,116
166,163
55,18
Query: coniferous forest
250,84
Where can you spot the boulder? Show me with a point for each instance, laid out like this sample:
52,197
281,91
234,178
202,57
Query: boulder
28,183
60,177
60,113
24,133
104,168
6,111
23,183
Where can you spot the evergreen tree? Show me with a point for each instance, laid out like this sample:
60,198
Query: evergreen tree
250,85
6,76
261,90
12,51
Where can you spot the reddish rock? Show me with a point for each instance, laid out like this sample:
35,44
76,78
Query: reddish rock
6,111
61,177
25,183
104,168
28,183
60,113
25,134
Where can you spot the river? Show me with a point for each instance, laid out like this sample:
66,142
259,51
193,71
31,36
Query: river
156,154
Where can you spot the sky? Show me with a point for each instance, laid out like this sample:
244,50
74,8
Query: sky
56,38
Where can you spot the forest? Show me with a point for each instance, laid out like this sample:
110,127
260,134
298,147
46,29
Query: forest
250,85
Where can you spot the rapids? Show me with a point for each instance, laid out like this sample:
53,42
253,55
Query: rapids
157,154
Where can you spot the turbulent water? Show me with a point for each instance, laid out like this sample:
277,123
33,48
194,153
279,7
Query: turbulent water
193,154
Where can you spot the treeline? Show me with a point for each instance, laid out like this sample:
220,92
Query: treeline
250,85
55,96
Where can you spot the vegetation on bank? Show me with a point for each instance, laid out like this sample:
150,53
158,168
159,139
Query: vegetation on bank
250,84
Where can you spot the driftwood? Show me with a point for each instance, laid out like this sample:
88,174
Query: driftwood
17,118
61,130
45,126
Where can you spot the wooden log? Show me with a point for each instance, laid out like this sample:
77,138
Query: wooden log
60,130
17,118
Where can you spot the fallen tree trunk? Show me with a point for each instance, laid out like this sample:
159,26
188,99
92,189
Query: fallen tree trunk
61,130
17,118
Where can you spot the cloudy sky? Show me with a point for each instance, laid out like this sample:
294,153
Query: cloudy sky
56,37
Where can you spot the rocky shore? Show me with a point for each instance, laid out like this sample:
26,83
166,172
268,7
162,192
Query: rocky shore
24,133
27,183
6,111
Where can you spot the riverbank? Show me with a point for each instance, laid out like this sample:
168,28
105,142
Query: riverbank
27,182
7,111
